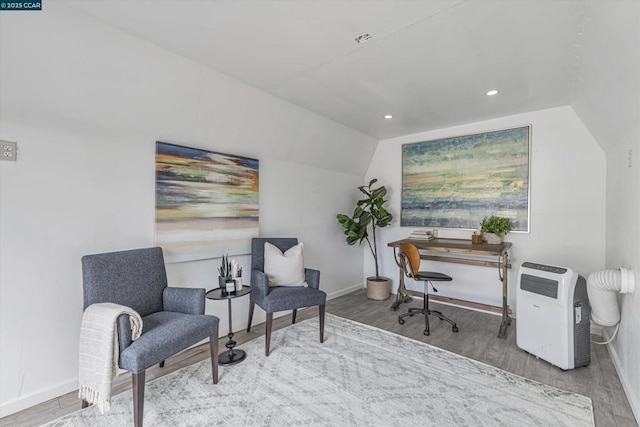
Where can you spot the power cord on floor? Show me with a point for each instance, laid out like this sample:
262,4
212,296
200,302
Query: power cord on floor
610,339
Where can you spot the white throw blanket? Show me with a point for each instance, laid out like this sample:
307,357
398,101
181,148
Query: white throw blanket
99,351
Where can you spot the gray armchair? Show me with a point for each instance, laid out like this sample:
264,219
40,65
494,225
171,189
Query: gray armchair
173,318
280,298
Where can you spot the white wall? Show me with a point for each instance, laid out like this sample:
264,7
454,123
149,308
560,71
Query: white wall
608,102
567,204
606,83
86,104
623,250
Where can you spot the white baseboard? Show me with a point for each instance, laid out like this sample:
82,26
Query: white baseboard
35,398
634,402
345,291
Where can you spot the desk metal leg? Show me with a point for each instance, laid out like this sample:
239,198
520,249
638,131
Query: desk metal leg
402,295
231,356
506,320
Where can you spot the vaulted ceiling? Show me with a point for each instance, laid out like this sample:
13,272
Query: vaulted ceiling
427,63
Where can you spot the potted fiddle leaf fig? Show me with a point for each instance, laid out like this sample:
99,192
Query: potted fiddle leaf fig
494,228
369,215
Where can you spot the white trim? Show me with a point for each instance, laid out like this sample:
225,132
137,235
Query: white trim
634,403
38,397
345,291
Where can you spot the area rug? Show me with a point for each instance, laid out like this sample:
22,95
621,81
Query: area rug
360,376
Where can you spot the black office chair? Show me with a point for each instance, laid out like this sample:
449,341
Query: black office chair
410,255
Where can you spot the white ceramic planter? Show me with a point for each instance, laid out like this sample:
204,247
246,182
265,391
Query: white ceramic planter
492,239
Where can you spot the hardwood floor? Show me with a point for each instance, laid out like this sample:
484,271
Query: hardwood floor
476,339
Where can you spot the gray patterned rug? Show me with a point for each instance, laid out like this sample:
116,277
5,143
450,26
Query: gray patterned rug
356,378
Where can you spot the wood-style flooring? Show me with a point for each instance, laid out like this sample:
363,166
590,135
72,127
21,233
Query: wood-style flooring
477,339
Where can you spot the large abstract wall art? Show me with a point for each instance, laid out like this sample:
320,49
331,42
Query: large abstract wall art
206,203
455,182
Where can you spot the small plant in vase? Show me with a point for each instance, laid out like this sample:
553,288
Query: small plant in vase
224,271
494,227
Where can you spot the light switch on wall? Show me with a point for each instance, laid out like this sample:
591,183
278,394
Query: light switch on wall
9,150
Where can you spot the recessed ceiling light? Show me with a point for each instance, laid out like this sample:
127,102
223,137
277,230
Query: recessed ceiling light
492,92
388,116
363,38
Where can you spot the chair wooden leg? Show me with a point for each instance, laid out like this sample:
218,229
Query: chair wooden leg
138,398
251,306
293,315
268,334
321,316
213,347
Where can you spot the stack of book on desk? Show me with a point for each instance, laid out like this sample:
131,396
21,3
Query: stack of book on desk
421,235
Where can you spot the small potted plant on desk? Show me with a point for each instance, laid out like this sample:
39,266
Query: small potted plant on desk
227,285
494,228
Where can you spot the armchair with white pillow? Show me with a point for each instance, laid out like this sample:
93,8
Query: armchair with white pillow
280,282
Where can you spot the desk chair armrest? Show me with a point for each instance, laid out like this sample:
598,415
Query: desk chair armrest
259,285
312,277
183,300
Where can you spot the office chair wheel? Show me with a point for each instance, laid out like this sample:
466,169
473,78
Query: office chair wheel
455,328
401,321
426,332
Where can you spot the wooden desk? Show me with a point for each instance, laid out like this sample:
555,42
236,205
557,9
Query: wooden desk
457,251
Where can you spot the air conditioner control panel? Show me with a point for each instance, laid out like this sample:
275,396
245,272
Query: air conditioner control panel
542,267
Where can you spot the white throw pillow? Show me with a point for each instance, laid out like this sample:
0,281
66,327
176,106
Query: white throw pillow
284,269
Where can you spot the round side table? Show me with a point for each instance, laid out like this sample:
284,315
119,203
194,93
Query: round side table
231,356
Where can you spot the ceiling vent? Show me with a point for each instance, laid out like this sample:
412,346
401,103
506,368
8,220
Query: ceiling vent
363,38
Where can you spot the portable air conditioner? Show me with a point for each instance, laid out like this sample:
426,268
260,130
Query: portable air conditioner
553,315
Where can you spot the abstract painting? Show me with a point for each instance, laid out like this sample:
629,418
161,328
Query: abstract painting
455,182
206,203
